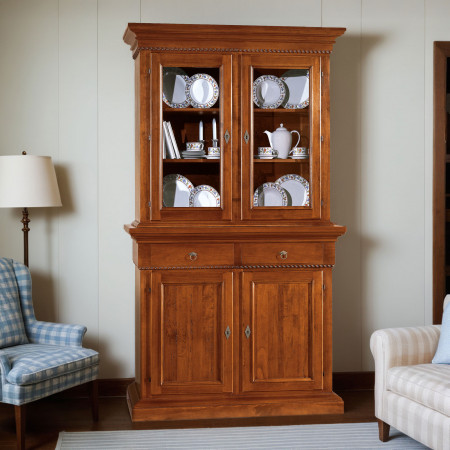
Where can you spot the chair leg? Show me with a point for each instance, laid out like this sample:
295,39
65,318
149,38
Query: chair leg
20,413
383,430
93,394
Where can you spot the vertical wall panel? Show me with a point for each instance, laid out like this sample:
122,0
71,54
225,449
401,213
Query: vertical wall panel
234,12
116,187
79,165
345,179
29,121
392,172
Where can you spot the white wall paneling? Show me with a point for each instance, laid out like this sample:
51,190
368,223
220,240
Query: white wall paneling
67,90
116,187
345,86
78,234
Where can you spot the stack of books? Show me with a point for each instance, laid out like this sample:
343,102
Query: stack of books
170,147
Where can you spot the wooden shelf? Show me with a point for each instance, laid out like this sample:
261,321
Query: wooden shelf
191,110
281,161
281,110
190,161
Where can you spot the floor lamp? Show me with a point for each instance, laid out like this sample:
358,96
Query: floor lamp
27,181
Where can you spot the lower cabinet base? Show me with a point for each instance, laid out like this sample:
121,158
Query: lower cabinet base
303,403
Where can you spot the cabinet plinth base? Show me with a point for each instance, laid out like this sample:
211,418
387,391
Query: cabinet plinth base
307,403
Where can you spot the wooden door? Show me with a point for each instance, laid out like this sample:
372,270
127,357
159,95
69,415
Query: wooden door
303,178
191,332
281,330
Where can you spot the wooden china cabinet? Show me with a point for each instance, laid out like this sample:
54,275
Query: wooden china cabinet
233,253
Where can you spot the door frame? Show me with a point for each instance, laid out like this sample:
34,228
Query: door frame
441,53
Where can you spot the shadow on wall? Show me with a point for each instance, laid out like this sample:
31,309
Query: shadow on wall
45,273
348,275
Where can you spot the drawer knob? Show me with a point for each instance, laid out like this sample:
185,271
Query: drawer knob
283,254
192,256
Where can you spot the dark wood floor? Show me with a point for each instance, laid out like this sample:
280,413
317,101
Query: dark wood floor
46,418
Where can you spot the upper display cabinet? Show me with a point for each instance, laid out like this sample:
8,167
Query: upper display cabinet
232,122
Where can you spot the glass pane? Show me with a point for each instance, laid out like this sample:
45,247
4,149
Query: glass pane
190,147
281,136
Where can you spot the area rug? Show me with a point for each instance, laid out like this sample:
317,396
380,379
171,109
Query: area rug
336,437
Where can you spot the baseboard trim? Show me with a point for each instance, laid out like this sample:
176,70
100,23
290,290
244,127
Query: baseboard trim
117,387
353,381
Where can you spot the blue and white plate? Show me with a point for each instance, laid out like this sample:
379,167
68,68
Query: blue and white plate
204,196
297,188
174,87
297,82
269,92
270,194
176,190
202,90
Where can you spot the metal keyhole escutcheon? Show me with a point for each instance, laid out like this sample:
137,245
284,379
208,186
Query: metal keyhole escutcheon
247,331
227,332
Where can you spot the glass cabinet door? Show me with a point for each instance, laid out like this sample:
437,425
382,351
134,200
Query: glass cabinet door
191,145
281,145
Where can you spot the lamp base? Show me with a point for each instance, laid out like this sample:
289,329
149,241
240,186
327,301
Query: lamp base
25,221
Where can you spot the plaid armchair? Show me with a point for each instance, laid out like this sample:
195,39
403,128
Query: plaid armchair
37,359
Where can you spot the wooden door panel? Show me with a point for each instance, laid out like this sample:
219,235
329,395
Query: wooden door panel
284,348
191,312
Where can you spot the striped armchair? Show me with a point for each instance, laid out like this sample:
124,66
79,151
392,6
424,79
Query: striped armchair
37,359
411,394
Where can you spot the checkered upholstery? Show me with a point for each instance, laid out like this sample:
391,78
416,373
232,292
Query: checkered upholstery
43,332
12,330
411,394
50,357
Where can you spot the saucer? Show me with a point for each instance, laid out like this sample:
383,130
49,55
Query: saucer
212,157
299,157
264,157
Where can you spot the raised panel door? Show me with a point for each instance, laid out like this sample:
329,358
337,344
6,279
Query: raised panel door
192,332
281,330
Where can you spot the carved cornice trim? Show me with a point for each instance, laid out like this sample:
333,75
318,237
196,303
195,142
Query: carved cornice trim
258,266
221,50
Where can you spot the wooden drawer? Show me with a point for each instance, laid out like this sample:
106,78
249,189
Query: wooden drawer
287,253
182,255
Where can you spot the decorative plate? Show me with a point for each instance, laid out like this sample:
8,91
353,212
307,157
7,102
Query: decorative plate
297,82
297,188
202,90
270,194
204,195
269,92
174,87
176,190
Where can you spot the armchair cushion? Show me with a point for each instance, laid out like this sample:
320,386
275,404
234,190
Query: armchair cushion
12,329
427,384
442,355
34,363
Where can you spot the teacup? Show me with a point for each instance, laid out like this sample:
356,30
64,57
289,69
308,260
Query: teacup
197,146
267,152
299,152
213,151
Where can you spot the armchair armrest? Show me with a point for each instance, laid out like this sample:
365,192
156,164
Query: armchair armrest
55,333
393,347
5,365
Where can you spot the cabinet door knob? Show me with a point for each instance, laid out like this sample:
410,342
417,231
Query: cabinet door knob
192,256
283,254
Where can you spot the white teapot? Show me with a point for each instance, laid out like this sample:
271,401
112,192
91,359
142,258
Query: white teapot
281,140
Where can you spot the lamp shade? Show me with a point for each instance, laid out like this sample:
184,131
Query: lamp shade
28,181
